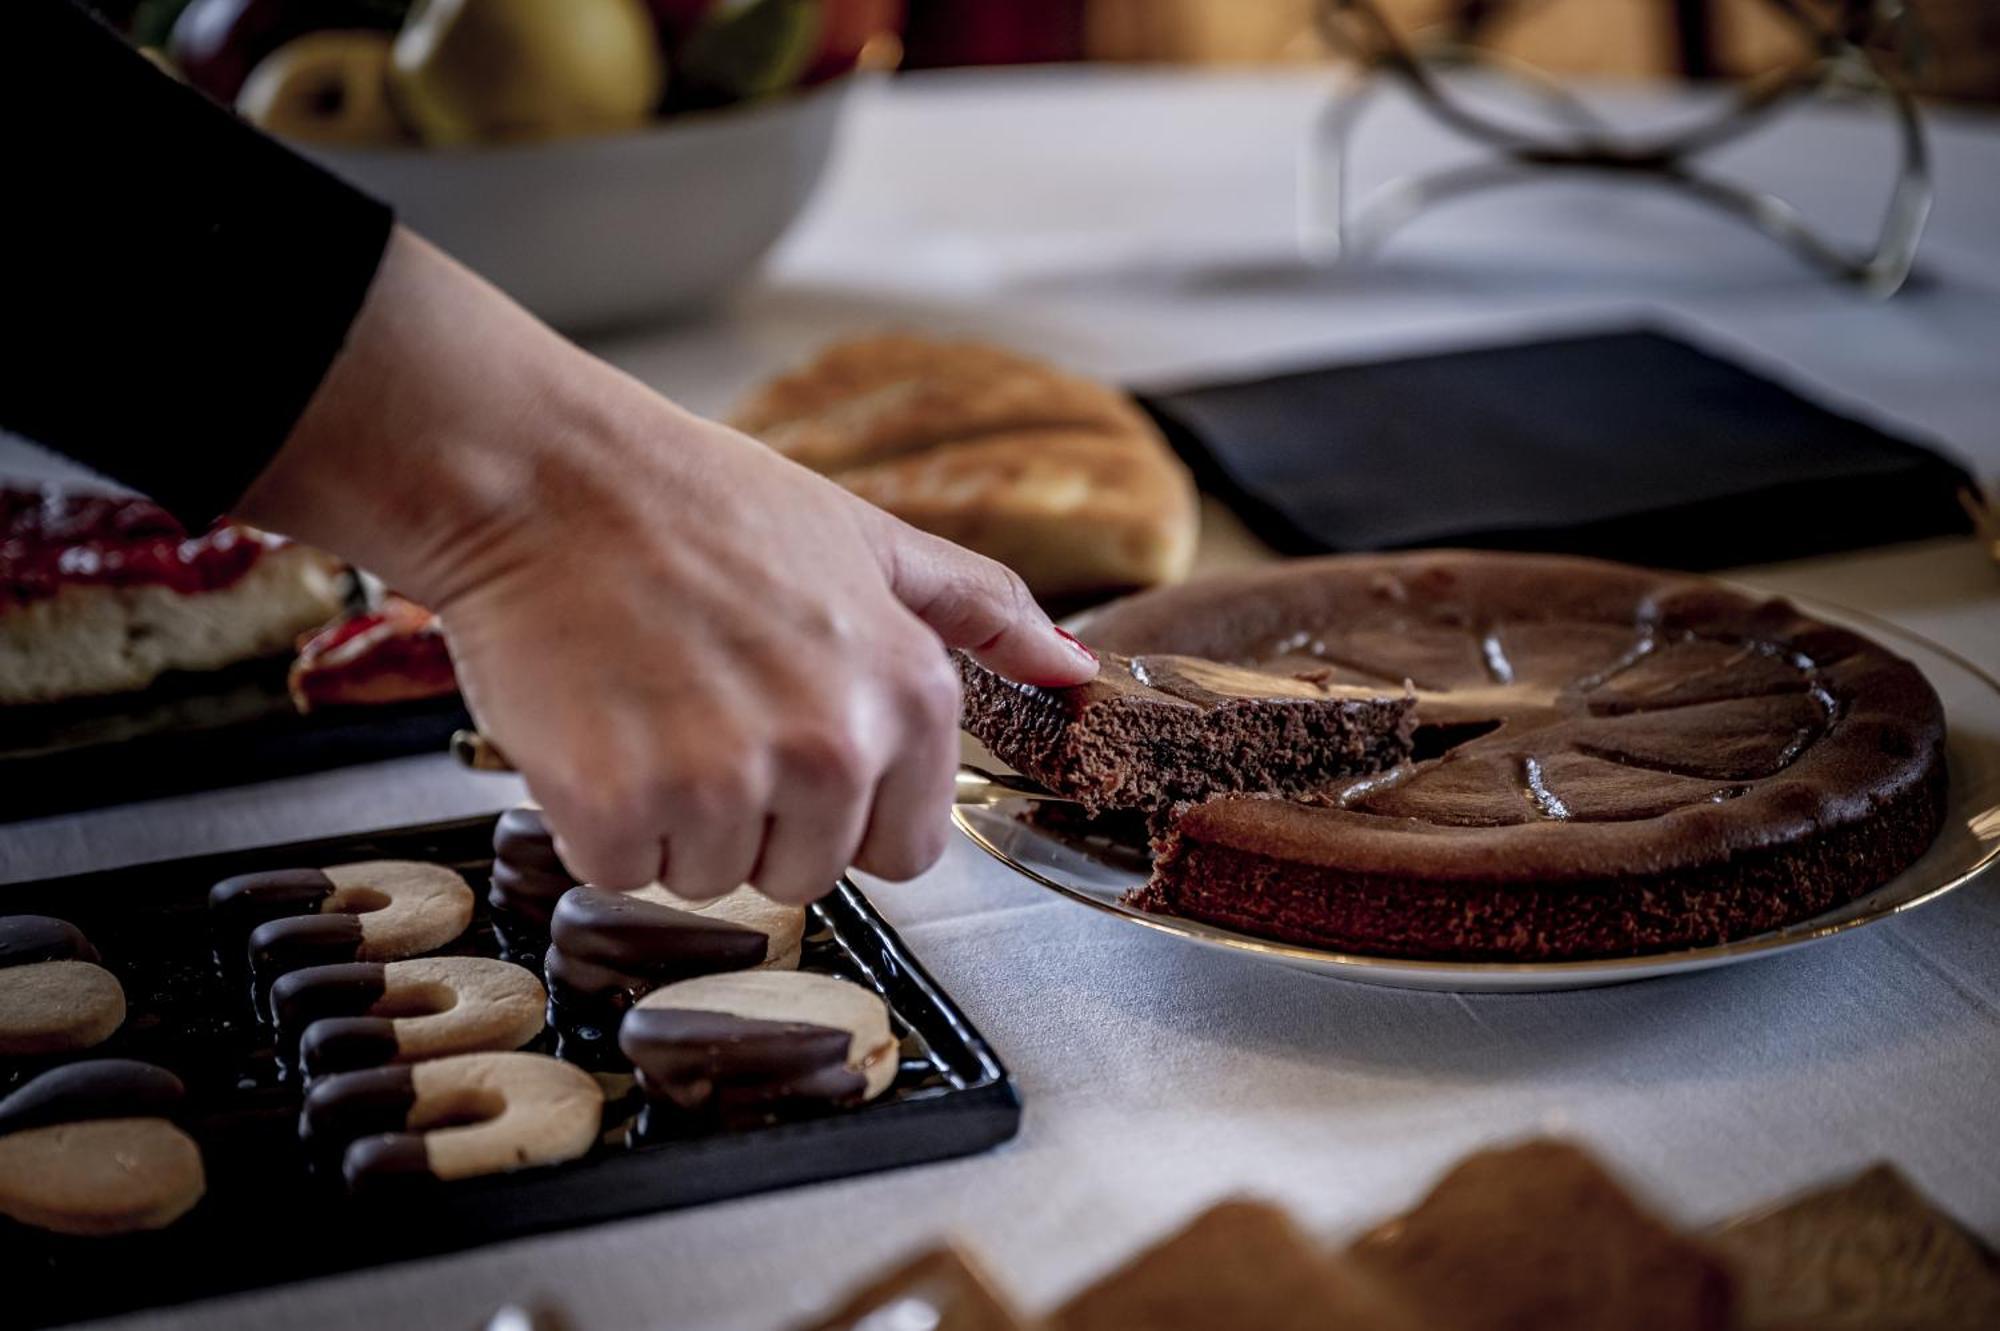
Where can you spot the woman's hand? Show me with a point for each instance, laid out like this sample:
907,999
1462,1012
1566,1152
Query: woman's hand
711,665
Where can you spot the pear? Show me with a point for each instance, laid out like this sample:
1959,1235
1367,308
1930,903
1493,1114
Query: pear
473,71
324,87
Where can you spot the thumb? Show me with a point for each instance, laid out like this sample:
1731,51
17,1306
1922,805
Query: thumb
982,606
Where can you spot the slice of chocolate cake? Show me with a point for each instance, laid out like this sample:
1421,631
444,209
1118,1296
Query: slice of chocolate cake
1153,731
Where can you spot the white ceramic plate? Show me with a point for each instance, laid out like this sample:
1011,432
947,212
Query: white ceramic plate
1098,876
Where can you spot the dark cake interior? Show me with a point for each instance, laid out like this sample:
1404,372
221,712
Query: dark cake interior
1602,760
1153,731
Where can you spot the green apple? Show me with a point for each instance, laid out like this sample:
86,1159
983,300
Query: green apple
473,71
324,87
747,48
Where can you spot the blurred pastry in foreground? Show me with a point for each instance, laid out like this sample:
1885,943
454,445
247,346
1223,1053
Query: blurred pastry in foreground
1870,1253
1062,479
1237,1264
1539,1235
942,1289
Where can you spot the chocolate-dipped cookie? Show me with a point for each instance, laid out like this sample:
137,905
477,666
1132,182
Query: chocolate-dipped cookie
528,876
375,910
452,1118
87,1149
760,1039
610,949
364,1013
54,997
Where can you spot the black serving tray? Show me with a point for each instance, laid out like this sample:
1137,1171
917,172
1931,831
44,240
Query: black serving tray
197,731
268,1220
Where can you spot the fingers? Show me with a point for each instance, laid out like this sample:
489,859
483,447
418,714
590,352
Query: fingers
911,816
982,606
708,856
816,825
615,860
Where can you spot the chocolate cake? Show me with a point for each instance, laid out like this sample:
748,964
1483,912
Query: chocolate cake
1153,730
1606,760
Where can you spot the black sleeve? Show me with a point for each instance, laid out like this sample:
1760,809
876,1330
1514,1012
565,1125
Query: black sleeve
173,283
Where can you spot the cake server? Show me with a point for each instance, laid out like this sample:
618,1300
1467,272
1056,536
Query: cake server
973,785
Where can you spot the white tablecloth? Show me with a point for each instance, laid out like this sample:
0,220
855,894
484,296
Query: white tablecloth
1139,226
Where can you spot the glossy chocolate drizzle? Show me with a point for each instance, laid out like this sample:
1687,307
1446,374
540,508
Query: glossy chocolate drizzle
700,1059
389,1161
301,997
239,906
26,939
528,877
95,1089
343,1044
611,949
351,1105
278,946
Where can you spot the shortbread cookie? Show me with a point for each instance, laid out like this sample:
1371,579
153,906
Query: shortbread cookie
1237,1264
754,1039
376,910
1538,1235
1065,480
528,876
942,1289
85,1149
610,949
453,1118
54,997
364,1013
1867,1254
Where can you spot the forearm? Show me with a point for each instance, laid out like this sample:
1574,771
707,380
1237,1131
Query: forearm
432,425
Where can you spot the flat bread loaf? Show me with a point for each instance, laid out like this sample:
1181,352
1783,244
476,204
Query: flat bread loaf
1062,479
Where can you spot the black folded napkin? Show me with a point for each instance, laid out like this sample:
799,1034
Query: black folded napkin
1630,445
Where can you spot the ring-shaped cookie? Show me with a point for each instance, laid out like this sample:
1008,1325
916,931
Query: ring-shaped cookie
374,910
364,1013
453,1118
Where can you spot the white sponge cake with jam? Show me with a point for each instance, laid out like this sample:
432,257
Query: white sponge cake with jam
102,594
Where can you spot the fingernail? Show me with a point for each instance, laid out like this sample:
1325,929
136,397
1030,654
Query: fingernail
1074,641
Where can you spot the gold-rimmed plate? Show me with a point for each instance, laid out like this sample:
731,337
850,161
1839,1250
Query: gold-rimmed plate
1098,875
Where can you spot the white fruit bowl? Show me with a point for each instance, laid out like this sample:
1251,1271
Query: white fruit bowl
595,232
